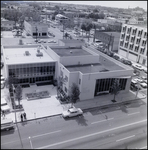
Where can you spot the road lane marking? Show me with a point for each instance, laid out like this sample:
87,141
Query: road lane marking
31,137
89,135
125,138
102,120
134,113
45,134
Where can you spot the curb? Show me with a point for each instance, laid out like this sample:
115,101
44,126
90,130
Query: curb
38,118
85,109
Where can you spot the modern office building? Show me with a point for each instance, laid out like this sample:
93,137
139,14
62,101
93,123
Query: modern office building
30,64
36,29
108,38
133,43
93,72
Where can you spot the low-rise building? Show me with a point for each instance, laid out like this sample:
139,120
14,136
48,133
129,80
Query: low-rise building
92,72
133,43
60,18
29,64
7,24
111,39
36,29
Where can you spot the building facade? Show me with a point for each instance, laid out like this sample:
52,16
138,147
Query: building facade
133,43
36,29
111,39
29,64
92,72
7,25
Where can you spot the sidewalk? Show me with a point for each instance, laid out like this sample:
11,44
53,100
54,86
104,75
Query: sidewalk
49,107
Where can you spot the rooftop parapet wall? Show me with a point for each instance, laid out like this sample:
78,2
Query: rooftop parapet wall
79,60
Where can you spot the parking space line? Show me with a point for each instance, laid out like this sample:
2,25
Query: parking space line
125,138
134,113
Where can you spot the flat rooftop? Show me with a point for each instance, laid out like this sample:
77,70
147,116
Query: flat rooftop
92,68
17,55
70,51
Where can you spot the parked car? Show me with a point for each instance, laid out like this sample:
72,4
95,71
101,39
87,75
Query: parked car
143,84
7,124
116,57
2,65
145,81
139,67
52,41
138,80
72,112
145,70
4,105
144,78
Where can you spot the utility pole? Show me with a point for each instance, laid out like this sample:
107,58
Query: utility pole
16,120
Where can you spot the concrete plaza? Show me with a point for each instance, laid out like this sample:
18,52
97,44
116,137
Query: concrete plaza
46,107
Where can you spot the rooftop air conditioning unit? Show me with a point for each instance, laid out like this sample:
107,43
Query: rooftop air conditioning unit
39,54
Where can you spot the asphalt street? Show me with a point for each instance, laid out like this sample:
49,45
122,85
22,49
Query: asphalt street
121,126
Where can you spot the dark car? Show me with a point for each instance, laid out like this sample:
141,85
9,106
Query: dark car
2,65
116,57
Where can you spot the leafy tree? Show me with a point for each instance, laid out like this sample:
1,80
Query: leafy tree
74,95
95,10
11,80
83,27
18,93
66,35
115,88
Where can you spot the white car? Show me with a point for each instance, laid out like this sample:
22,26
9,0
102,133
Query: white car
72,112
138,80
52,41
143,84
139,67
144,78
145,70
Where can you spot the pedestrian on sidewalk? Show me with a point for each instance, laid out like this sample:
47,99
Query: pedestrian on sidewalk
21,117
24,114
3,113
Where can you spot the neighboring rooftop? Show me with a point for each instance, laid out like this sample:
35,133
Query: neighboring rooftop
92,68
71,41
70,51
33,23
24,55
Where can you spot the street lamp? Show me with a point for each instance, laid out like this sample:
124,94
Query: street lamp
16,120
30,142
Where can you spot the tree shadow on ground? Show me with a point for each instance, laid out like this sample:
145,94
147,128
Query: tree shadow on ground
81,121
123,109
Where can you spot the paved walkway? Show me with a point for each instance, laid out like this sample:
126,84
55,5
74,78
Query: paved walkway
46,107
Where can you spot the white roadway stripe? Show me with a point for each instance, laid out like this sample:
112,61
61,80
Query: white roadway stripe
31,137
45,134
89,135
125,138
134,113
102,120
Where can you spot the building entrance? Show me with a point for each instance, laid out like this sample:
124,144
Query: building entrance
32,80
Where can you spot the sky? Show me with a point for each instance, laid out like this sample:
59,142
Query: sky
118,4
